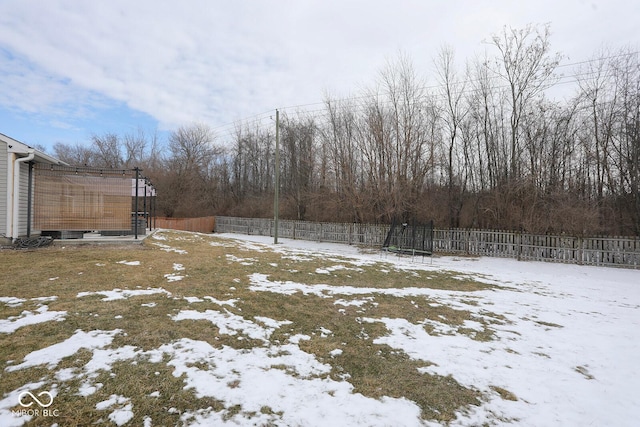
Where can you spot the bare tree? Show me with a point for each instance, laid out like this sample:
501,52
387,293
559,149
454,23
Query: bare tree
626,146
107,149
298,162
344,158
526,64
252,163
595,80
453,112
186,185
77,154
402,123
486,115
135,148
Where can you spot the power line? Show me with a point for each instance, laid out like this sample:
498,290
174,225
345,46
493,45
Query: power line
470,86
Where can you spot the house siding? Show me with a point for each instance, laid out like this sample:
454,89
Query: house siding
24,198
8,146
3,189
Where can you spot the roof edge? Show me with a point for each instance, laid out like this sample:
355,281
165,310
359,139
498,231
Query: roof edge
17,147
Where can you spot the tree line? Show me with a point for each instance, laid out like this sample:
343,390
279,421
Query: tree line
487,146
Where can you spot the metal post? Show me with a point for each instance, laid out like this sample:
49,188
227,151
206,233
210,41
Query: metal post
152,200
277,182
144,205
135,214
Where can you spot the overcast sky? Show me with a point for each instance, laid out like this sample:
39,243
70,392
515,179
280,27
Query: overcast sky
70,68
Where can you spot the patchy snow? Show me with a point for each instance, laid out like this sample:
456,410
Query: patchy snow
66,374
355,302
300,393
123,412
175,277
52,355
45,299
567,349
117,294
87,388
232,324
242,261
104,358
9,400
12,301
565,344
229,302
168,248
13,323
125,262
295,339
329,269
270,323
261,282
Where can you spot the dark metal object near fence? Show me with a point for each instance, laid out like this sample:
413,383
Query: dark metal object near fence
410,239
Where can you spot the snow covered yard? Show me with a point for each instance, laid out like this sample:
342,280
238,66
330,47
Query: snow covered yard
201,330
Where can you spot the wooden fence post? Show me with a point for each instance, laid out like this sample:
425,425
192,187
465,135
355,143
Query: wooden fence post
580,261
519,245
467,243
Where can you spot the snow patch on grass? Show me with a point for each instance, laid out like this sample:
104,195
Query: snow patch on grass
117,294
168,248
232,324
52,355
123,412
12,301
125,262
299,395
13,323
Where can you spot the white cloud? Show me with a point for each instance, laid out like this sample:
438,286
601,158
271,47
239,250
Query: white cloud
217,61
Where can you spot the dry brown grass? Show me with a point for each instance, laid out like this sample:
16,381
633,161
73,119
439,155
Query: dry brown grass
220,271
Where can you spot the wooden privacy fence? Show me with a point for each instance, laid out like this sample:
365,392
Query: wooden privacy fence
602,251
203,225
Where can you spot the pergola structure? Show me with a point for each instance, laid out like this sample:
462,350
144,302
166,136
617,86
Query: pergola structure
41,195
70,201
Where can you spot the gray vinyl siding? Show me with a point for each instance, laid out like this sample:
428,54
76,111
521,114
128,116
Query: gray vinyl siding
24,198
3,189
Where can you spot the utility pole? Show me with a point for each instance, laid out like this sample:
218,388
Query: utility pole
276,195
